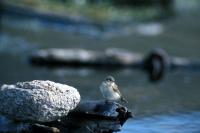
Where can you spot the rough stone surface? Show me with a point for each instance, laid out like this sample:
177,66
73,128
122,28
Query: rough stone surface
37,100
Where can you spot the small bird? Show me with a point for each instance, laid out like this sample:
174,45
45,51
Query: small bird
110,90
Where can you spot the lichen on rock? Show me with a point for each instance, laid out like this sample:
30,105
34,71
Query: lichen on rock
37,100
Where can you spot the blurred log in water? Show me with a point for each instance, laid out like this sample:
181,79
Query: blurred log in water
157,63
89,116
112,57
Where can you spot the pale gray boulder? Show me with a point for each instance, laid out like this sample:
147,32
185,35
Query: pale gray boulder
37,101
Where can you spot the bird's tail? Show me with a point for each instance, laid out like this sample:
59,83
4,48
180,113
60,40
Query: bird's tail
124,100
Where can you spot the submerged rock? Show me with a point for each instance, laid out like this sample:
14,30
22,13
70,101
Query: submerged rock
41,101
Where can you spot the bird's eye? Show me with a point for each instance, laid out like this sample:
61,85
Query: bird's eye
108,79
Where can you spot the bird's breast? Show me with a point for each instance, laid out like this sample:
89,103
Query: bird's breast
108,92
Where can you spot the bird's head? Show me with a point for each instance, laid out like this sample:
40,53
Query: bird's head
110,79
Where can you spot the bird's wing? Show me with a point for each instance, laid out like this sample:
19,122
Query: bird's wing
116,89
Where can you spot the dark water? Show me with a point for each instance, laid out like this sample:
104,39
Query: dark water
169,106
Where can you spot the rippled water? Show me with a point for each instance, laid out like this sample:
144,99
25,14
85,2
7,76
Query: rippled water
176,123
171,106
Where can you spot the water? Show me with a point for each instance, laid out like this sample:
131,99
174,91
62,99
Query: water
171,106
177,123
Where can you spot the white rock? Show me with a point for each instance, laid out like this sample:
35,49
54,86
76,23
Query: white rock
37,100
